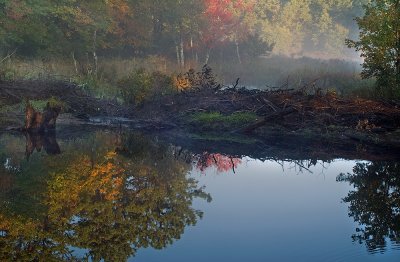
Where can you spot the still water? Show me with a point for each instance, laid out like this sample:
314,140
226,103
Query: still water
116,196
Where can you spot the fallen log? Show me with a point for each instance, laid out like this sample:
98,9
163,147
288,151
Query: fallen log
279,114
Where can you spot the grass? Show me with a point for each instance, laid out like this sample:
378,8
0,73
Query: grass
274,71
104,84
218,121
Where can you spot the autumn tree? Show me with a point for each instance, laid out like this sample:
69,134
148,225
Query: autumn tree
233,23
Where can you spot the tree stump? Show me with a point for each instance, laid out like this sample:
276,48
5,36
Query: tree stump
41,121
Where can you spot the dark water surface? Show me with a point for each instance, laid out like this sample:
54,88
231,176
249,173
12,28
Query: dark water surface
116,196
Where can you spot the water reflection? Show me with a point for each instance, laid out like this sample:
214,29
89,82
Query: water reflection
223,163
375,203
109,194
101,200
36,141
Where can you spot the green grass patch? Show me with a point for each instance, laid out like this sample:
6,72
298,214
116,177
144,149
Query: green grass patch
217,121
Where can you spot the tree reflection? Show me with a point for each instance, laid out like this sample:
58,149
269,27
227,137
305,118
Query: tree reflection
106,206
222,163
375,203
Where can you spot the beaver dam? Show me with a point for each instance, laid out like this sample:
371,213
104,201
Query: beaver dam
306,116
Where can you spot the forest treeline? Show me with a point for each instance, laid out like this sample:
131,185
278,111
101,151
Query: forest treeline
176,29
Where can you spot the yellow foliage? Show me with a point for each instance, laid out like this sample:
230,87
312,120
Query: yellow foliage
181,82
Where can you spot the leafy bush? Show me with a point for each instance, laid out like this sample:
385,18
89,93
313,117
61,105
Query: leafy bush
96,86
7,73
142,85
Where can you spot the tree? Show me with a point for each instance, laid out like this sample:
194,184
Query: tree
20,26
379,44
236,24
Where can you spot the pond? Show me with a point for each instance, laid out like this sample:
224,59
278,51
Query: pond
118,195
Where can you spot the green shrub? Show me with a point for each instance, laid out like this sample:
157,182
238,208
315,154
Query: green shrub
7,73
97,87
142,85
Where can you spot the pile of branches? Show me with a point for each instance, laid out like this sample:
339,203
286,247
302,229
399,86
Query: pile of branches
294,109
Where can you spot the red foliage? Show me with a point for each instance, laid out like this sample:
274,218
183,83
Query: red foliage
223,163
223,18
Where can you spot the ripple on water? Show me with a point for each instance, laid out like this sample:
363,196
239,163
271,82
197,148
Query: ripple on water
355,252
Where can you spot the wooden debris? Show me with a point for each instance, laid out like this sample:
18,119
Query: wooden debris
267,119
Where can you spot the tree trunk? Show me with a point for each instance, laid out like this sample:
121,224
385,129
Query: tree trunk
238,51
94,52
182,54
178,57
192,51
207,56
89,69
75,63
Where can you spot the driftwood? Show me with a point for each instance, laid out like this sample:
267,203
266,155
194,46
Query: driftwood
41,121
